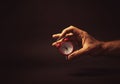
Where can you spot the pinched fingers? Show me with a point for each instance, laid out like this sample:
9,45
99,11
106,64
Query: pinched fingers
68,30
63,33
58,39
57,42
76,31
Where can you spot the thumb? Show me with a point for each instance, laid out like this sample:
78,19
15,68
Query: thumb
77,53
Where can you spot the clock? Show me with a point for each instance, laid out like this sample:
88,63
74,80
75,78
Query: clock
66,48
68,45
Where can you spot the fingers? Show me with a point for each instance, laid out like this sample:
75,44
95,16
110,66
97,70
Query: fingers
69,34
55,43
77,53
56,35
60,40
67,31
73,30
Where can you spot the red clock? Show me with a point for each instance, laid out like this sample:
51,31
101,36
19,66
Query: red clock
69,45
66,48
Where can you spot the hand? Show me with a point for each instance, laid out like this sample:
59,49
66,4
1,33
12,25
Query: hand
90,46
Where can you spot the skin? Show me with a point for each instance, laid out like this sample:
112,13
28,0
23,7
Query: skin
91,46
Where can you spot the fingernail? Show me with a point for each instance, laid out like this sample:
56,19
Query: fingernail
53,44
53,35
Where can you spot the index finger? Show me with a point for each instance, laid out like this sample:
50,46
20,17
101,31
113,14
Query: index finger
58,35
71,29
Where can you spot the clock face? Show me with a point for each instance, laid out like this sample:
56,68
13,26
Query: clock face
66,48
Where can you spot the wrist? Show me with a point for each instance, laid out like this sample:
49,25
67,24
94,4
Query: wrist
105,49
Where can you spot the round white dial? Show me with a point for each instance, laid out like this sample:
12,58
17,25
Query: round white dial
66,48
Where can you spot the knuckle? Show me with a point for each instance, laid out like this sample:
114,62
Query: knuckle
71,27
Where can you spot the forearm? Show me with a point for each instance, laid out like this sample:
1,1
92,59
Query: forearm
111,48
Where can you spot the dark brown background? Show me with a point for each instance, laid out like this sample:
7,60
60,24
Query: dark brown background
27,56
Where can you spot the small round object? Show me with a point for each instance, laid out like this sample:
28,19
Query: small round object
66,48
